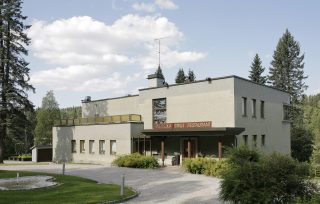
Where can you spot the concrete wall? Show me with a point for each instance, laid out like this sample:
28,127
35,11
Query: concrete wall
116,106
62,137
276,131
202,101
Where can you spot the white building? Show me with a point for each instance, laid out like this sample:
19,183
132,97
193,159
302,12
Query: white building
189,119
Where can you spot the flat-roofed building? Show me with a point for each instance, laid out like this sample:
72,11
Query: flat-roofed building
189,119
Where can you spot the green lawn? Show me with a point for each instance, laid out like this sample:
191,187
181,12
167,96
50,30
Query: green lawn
72,189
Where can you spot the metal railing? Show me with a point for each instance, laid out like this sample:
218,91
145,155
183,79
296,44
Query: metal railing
99,120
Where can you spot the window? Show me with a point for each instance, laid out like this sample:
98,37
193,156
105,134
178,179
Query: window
73,146
263,140
245,139
102,147
82,149
286,112
113,147
159,111
254,108
235,141
91,144
262,109
254,140
244,106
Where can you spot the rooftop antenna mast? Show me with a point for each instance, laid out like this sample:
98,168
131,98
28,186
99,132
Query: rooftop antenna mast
159,50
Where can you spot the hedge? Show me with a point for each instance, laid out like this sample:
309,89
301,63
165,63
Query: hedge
136,160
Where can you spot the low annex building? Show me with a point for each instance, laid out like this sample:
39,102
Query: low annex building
189,119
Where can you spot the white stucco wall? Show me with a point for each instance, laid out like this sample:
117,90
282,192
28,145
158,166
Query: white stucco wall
202,101
276,131
122,133
107,107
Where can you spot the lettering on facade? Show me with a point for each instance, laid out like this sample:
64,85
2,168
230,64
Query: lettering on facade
187,125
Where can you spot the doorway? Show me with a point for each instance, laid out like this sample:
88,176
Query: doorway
189,145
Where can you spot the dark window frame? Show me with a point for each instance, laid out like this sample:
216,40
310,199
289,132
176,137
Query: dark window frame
263,140
73,146
111,152
102,151
262,109
91,148
245,139
244,106
254,108
154,109
82,145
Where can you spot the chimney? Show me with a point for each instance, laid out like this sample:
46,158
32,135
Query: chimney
156,79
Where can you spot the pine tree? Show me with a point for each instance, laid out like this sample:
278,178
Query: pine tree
14,71
257,70
191,76
286,73
159,72
46,115
180,78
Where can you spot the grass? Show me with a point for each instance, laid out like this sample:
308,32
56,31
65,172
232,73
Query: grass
26,163
72,189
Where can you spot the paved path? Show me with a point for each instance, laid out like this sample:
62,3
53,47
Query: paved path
168,185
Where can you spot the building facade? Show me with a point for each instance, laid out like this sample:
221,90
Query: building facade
189,119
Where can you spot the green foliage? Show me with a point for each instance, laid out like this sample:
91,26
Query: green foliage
72,189
287,73
14,73
45,119
181,77
301,143
255,178
205,165
70,112
136,160
191,76
257,70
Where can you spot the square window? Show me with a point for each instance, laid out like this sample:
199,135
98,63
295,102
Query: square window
73,146
102,147
91,146
113,147
82,149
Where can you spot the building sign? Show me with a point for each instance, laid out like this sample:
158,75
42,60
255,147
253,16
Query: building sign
203,124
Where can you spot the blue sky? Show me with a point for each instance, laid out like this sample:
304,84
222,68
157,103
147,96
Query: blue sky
105,48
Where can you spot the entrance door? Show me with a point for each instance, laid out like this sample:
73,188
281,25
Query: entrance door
192,143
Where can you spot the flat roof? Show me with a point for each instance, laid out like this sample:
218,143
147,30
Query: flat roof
216,78
216,131
181,84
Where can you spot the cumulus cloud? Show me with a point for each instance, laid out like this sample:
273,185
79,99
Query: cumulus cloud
87,54
152,7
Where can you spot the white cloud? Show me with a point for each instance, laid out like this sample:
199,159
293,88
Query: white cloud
88,55
166,4
152,7
144,7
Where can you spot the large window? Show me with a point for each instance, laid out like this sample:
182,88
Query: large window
113,147
73,146
254,108
244,106
102,147
159,111
82,149
262,109
91,146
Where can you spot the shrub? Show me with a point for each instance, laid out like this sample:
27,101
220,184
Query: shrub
136,160
205,165
255,178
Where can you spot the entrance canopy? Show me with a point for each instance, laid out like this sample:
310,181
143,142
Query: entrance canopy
218,131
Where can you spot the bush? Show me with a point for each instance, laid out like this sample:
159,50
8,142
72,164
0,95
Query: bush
205,165
136,160
255,178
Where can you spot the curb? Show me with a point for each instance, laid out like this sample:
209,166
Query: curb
123,199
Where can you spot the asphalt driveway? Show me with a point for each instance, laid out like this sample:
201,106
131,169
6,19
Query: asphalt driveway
168,185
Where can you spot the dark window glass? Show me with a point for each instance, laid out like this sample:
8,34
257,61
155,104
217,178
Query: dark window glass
244,106
262,109
254,108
